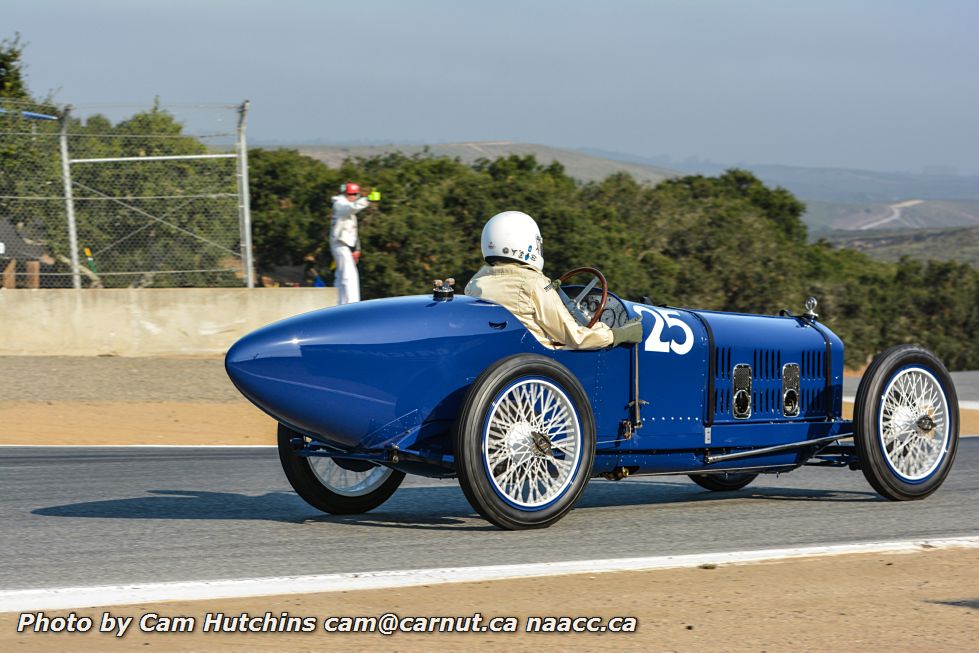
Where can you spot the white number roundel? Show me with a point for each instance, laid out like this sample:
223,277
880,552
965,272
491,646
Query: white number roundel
670,319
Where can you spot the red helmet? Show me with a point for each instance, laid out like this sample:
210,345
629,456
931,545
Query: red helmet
352,189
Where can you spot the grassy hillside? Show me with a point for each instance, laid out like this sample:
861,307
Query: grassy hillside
957,244
822,217
581,166
840,185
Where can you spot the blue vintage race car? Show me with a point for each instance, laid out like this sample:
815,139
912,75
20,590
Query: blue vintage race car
444,385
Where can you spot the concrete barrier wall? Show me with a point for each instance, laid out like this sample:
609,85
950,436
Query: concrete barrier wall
144,322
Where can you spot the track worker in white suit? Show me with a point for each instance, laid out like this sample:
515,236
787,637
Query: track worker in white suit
513,277
345,243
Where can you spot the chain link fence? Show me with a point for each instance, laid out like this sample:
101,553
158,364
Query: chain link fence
117,196
32,204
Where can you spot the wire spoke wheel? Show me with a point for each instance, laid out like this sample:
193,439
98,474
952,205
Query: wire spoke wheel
525,442
906,423
914,425
335,485
340,478
532,443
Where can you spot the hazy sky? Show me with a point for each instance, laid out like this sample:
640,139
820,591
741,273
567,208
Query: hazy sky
888,85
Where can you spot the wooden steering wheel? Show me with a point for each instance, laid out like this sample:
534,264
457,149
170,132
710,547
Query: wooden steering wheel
574,305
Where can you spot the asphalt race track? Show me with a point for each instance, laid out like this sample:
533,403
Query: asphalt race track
99,516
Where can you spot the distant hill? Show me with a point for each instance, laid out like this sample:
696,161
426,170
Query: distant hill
956,244
581,166
860,186
837,185
850,199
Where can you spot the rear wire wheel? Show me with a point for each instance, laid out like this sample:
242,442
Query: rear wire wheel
336,485
525,442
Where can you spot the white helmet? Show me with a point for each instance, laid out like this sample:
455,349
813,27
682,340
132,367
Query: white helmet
513,235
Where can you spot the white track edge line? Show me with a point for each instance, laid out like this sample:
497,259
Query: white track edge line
86,597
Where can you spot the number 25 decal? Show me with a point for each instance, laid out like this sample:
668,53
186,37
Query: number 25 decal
655,340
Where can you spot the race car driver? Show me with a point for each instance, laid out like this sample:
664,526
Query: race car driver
512,248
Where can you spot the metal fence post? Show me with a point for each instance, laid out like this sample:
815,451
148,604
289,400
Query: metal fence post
76,280
244,210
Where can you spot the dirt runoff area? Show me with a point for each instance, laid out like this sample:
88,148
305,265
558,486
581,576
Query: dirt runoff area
896,602
115,400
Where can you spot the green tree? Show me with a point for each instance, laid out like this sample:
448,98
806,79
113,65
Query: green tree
12,84
29,164
290,200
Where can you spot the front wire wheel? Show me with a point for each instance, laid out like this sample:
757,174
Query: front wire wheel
525,442
914,424
906,420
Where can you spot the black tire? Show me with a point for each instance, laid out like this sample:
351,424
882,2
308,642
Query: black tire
561,460
307,476
723,482
885,401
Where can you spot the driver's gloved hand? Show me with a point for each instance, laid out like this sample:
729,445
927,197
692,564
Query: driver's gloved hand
628,333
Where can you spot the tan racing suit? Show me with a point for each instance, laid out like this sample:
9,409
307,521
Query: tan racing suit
529,295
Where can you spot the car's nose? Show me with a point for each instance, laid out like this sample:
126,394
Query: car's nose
305,372
258,362
271,342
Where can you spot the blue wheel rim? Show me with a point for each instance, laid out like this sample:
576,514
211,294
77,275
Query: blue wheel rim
914,424
531,443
